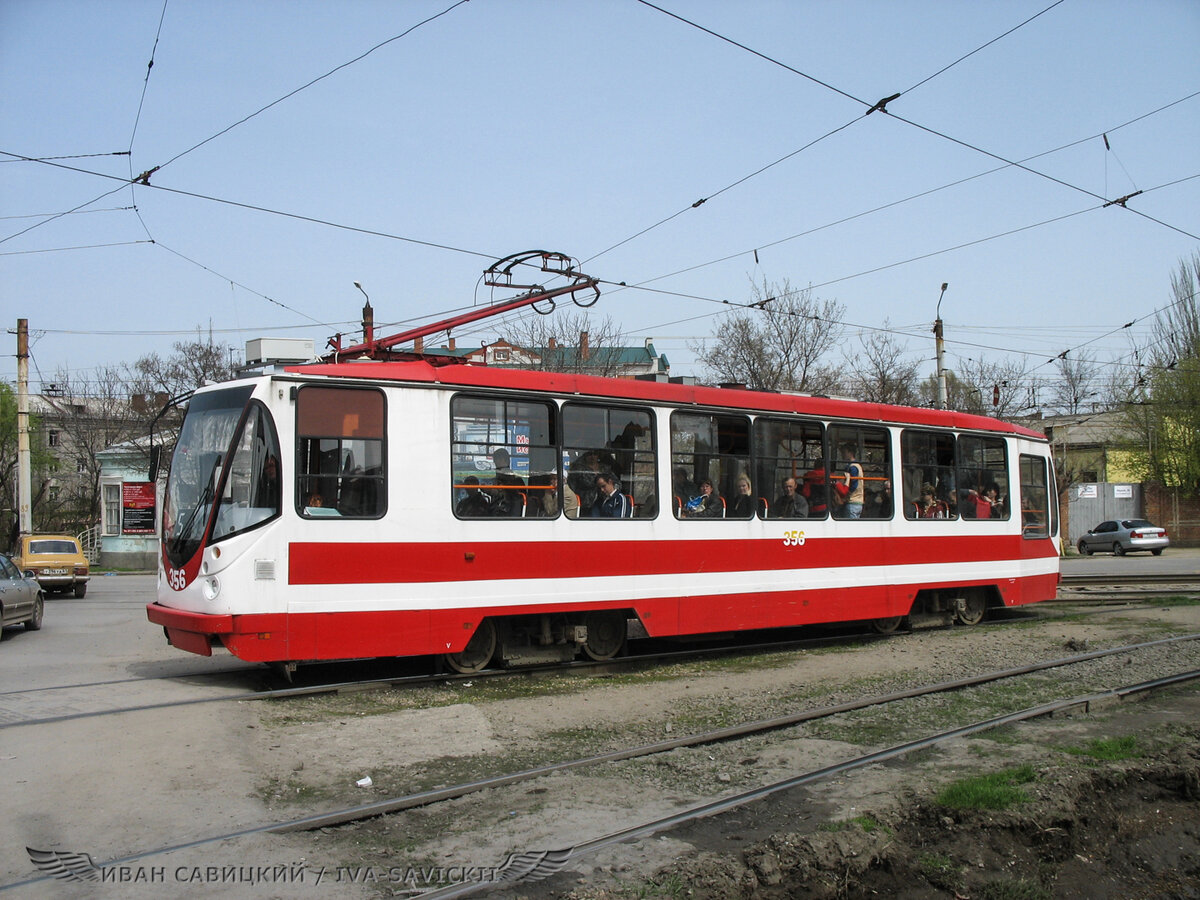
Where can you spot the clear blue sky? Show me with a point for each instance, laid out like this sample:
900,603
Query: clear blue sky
506,125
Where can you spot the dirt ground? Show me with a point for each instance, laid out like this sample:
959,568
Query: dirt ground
1088,828
1126,827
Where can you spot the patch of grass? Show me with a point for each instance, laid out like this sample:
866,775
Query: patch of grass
668,885
996,790
939,870
1109,749
870,824
1177,601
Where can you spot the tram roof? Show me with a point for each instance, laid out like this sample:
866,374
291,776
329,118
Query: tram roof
421,371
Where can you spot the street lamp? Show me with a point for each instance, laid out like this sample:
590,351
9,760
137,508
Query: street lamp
368,319
943,400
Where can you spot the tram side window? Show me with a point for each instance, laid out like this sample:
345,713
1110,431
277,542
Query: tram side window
1035,497
608,454
251,494
714,451
982,477
861,472
503,459
927,475
340,453
785,451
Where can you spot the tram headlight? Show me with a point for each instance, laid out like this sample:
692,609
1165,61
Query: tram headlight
212,587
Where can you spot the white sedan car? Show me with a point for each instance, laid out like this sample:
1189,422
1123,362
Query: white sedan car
1123,536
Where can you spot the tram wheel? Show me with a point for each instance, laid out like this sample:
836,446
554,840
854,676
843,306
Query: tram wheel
478,652
606,634
886,626
974,611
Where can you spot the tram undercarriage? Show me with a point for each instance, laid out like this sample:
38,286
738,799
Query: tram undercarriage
542,638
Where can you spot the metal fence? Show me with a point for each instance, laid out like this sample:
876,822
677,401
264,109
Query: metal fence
1096,502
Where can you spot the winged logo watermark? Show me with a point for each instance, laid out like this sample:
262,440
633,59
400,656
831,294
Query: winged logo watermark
532,865
76,867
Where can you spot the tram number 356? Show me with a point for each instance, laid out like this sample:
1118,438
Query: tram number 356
793,539
177,579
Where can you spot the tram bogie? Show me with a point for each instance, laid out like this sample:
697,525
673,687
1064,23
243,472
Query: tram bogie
559,637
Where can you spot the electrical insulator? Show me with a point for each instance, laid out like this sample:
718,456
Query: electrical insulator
995,395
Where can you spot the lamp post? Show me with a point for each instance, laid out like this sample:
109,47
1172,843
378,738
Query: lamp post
943,400
368,319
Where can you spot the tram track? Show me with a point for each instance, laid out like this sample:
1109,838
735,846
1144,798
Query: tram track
149,679
703,810
424,680
710,807
616,664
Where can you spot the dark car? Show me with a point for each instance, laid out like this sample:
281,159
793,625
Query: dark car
1124,536
21,598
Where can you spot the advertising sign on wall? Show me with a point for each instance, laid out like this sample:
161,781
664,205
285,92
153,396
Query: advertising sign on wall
137,507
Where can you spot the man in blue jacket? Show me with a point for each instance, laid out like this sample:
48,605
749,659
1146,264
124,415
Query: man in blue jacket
610,502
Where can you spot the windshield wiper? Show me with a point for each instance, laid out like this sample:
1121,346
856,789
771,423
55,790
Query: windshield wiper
204,501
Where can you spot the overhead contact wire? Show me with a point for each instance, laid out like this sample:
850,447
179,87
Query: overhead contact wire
319,78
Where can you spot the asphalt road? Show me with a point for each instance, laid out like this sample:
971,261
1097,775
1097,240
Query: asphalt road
103,636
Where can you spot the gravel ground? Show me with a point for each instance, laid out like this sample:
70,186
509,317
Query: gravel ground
856,831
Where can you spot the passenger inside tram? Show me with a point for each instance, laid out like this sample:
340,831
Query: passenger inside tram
742,505
509,495
790,504
474,502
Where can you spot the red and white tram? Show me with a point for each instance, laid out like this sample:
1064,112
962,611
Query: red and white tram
413,507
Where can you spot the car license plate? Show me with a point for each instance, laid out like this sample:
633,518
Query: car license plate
56,571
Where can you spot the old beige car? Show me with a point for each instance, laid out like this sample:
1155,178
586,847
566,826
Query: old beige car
55,560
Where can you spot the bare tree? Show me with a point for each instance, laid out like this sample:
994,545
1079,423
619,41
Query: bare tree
1079,384
778,345
190,365
1162,411
557,344
984,387
1176,333
879,373
88,415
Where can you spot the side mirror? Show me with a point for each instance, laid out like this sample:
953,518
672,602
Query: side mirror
154,454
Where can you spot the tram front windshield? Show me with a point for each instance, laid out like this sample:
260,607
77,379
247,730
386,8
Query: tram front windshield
204,441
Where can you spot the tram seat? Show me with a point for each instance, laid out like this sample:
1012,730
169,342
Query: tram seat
629,508
724,507
764,507
678,507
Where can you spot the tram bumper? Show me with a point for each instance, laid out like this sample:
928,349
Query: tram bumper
194,632
258,637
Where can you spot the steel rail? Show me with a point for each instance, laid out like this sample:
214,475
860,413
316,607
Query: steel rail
720,805
1081,580
425,798
451,677
250,668
370,684
714,807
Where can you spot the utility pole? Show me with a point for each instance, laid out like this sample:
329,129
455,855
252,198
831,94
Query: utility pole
943,399
24,491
